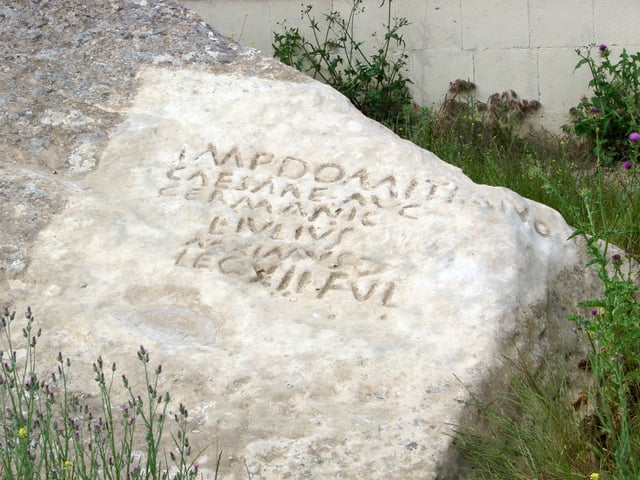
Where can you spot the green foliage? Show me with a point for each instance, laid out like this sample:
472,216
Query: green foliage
613,111
374,83
612,333
49,432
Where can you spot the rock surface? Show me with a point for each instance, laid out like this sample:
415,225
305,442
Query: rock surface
319,291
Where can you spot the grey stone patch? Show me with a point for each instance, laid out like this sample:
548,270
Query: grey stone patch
68,72
28,200
67,75
13,259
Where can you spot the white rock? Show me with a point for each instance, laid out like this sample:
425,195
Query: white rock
317,289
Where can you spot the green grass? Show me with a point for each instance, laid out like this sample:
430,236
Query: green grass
531,431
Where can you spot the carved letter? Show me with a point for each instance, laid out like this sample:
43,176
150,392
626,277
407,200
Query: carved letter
316,236
363,297
403,210
286,278
260,159
263,185
291,188
316,193
223,180
412,186
331,284
235,153
254,228
295,206
303,281
388,293
215,223
329,173
292,168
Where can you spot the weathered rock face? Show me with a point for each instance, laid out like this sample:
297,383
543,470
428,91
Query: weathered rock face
312,284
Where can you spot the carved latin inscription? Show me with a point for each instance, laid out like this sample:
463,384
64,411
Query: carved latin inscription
296,227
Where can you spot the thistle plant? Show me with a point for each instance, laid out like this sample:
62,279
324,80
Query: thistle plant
497,120
50,432
612,331
612,111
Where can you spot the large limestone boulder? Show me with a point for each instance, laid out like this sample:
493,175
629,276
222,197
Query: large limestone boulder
320,292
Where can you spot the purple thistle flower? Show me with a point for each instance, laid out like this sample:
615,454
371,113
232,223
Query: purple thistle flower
604,50
634,136
627,165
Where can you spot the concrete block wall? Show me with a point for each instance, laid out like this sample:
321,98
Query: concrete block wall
523,45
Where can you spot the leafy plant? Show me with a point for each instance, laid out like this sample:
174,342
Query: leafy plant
612,333
374,83
613,110
50,432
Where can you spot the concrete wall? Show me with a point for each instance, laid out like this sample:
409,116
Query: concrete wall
524,45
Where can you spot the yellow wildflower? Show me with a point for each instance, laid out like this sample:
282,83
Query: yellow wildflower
594,476
22,432
68,465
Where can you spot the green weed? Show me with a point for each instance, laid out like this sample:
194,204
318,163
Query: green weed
375,83
613,110
50,432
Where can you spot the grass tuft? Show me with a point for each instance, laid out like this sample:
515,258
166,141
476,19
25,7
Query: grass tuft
48,431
